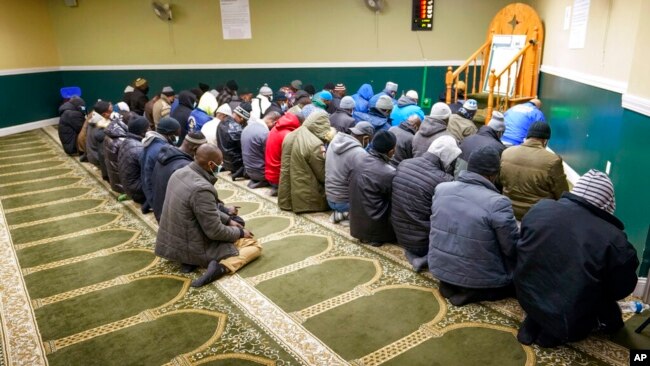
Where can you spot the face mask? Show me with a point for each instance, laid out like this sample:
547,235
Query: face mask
218,169
173,140
284,107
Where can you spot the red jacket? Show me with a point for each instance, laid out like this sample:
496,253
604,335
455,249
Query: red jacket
287,123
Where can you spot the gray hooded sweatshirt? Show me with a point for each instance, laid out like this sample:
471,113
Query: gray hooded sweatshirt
430,129
341,153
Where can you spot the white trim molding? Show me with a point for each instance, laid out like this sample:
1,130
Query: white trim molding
597,81
32,70
28,126
636,104
291,65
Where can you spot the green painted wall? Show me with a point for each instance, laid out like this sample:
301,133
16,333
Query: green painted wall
589,128
29,97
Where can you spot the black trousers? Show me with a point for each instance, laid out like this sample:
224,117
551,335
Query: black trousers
460,296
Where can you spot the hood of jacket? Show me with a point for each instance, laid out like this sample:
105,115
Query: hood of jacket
365,91
404,100
318,123
208,104
74,104
431,126
288,121
169,153
187,99
116,129
406,126
468,177
343,142
151,136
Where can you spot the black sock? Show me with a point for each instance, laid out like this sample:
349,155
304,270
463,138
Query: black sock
528,331
214,272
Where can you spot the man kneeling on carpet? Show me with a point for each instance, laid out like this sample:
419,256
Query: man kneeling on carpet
193,231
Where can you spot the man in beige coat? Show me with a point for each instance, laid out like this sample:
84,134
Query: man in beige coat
163,106
530,173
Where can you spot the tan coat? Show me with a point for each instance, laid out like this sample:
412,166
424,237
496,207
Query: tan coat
161,108
530,173
459,127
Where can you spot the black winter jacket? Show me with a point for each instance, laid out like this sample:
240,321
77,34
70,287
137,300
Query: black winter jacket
71,121
137,101
170,159
404,146
567,269
115,134
229,141
371,186
186,102
413,188
128,166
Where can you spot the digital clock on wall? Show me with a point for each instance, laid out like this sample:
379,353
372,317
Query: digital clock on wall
422,15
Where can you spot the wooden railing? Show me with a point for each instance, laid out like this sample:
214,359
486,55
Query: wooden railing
494,83
475,63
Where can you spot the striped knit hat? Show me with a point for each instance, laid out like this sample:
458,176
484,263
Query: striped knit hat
596,187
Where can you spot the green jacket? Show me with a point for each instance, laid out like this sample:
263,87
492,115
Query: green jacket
302,173
460,127
530,173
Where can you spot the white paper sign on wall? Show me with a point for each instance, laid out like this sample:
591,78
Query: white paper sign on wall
579,18
236,19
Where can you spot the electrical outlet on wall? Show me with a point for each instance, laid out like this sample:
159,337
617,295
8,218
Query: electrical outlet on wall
426,102
608,167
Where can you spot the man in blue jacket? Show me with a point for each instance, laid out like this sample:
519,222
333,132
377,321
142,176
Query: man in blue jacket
407,106
519,119
473,234
166,133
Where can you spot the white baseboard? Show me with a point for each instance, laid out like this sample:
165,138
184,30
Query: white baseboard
28,126
637,104
593,80
640,286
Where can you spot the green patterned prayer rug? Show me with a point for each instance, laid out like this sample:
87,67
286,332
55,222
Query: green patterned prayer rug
81,286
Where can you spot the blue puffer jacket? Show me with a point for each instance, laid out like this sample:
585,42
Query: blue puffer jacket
197,119
518,120
406,107
473,234
362,97
374,116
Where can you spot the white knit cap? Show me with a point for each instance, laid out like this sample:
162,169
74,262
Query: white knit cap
596,187
496,122
391,86
265,90
347,102
123,107
412,94
446,148
440,110
225,109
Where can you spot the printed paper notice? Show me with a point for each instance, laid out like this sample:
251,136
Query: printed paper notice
578,32
236,19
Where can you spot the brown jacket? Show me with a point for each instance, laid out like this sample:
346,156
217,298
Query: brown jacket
192,228
530,173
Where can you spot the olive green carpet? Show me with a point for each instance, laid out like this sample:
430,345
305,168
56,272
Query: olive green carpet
81,286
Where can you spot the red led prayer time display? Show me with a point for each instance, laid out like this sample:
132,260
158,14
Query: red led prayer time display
422,15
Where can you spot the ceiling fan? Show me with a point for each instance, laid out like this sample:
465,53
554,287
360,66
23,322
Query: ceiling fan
162,11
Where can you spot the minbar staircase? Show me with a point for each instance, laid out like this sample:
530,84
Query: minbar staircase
514,19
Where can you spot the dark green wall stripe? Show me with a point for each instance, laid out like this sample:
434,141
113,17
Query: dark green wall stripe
29,97
110,84
589,128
